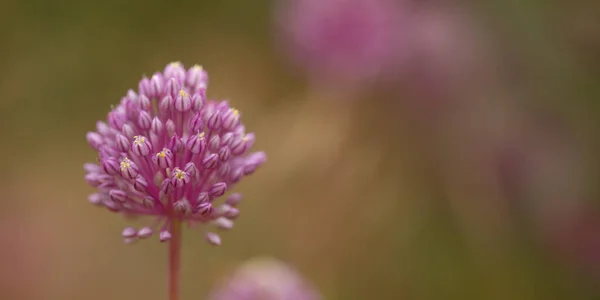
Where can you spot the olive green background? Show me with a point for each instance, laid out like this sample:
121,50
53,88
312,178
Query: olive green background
366,197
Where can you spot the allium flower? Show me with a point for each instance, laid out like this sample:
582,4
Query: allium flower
265,279
168,153
343,39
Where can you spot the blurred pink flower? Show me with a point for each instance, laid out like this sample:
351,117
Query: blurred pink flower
577,241
342,40
447,53
24,257
265,279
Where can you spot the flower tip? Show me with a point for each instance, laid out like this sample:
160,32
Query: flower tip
91,168
95,199
129,232
213,239
175,64
94,139
183,102
232,213
164,236
145,232
234,199
259,157
204,208
224,223
218,189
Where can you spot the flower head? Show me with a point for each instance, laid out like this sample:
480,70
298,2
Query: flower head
265,279
167,152
343,39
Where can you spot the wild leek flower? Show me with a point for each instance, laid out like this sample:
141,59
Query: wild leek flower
343,40
265,279
168,153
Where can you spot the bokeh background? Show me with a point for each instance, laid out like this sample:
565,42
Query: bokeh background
472,173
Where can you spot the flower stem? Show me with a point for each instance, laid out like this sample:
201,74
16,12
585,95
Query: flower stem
174,259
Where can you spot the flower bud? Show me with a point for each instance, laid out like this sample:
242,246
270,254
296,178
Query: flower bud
173,87
214,121
196,123
196,143
166,104
190,169
156,85
129,169
179,178
95,140
157,126
144,120
213,238
210,161
144,232
111,166
218,189
183,103
141,146
129,232
128,131
231,119
140,184
204,208
234,199
117,195
122,143
163,159
145,103
164,236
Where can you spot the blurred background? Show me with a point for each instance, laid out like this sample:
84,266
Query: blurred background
430,149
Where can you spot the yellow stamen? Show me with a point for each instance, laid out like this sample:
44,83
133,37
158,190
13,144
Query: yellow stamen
125,164
179,174
138,140
182,93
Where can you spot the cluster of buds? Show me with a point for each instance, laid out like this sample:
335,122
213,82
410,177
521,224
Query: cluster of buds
168,152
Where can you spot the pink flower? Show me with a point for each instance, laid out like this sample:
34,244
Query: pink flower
344,40
167,152
265,279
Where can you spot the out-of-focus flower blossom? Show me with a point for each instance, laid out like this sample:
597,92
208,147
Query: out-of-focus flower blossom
577,241
265,279
342,40
167,152
447,53
24,256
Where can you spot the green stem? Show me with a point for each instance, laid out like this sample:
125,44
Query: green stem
174,259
